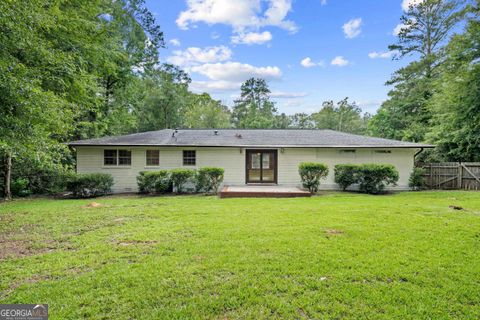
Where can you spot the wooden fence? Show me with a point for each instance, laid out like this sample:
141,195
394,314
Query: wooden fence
452,175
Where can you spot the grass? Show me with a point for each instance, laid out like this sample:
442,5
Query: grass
340,255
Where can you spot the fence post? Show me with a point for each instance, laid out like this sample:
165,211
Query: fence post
460,176
431,177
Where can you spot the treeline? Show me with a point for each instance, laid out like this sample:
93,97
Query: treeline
436,98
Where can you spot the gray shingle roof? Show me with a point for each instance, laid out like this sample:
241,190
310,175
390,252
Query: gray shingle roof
248,138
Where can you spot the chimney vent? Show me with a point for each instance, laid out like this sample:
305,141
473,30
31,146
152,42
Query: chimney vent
215,132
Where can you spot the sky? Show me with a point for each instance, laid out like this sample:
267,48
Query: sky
309,51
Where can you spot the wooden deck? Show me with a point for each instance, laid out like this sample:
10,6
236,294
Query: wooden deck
250,191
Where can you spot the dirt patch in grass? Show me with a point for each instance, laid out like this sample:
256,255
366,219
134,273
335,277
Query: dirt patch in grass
456,207
12,248
334,232
93,205
136,242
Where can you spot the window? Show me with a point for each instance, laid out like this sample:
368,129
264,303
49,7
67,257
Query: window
153,157
117,157
348,151
110,157
124,157
189,157
383,151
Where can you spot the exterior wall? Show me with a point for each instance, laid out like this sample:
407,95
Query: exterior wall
90,159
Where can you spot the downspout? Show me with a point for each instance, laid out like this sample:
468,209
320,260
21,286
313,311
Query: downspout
416,154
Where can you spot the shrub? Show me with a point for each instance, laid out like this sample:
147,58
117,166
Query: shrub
180,177
19,188
374,177
88,185
346,175
208,179
311,173
417,179
154,181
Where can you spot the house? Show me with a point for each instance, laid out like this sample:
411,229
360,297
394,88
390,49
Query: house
249,156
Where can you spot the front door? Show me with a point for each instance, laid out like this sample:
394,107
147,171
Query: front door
261,166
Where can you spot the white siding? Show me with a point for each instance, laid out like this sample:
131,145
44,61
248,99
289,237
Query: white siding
90,159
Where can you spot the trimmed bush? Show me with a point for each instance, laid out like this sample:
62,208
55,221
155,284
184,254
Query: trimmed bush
417,180
346,175
154,181
180,177
311,173
87,185
209,179
373,178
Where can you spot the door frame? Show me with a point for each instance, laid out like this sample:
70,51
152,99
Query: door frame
275,163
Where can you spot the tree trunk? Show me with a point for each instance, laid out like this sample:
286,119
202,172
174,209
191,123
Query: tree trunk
7,193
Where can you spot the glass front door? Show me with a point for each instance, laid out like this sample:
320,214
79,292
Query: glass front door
261,166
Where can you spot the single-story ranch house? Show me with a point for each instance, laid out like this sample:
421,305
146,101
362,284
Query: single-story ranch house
249,156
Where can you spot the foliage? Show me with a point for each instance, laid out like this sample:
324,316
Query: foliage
20,188
86,185
311,173
180,177
346,175
205,113
427,25
417,180
373,178
456,104
209,179
154,181
345,117
254,109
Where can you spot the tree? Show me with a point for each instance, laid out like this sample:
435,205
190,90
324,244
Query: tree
54,60
204,112
165,101
456,103
254,109
427,27
345,117
302,121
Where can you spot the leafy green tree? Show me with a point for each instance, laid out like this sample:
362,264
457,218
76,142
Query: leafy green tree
165,101
427,27
456,103
302,121
254,109
204,112
55,60
345,117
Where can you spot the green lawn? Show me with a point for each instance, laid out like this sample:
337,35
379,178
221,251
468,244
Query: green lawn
339,255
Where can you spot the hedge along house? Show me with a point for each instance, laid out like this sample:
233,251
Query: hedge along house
249,156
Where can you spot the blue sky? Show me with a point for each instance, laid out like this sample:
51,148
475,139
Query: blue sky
308,50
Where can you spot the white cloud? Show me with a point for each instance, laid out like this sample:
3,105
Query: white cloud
308,63
194,55
339,61
236,71
407,3
287,95
398,29
252,38
381,55
352,28
239,14
214,86
175,42
323,2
